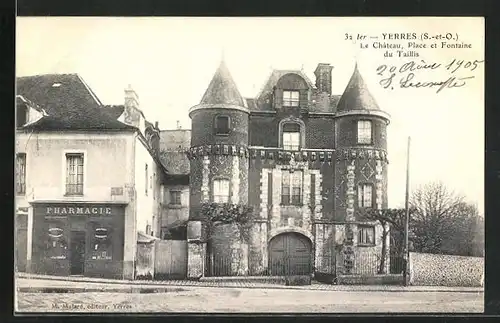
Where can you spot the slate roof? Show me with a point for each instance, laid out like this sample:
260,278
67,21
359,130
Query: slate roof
222,89
69,103
356,95
276,75
173,144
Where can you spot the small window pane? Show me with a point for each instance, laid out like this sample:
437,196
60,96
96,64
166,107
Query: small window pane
364,132
222,125
221,191
291,98
291,140
74,174
366,235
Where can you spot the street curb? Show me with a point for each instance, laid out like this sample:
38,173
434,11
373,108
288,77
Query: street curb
142,285
177,288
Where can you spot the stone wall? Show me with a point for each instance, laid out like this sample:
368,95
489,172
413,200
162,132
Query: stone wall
445,270
229,252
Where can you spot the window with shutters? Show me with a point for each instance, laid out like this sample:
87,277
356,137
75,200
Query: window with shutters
291,136
74,174
364,132
365,195
291,98
291,188
221,191
222,125
21,173
366,235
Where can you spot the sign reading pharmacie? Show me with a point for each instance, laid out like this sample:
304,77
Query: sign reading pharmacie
79,210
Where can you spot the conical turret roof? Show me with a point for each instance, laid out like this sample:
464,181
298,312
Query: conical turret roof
356,95
222,89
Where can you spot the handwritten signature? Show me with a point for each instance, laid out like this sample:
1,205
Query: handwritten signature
407,74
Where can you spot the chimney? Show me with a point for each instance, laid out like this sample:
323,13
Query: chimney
156,125
131,98
179,125
132,113
324,77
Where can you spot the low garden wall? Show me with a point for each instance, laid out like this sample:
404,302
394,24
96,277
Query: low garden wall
445,270
386,279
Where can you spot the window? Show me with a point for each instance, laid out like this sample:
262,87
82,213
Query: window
365,195
364,132
221,191
101,243
290,98
291,136
222,125
291,188
74,174
22,115
175,197
21,173
56,242
366,235
146,179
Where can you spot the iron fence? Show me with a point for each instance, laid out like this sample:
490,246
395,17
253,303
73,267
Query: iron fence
370,263
220,265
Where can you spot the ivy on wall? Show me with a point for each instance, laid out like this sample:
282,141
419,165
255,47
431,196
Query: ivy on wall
228,213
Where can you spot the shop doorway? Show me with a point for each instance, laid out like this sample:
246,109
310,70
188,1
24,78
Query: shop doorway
77,253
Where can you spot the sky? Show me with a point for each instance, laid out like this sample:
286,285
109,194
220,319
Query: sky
170,61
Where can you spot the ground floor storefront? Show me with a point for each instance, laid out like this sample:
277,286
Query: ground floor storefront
84,239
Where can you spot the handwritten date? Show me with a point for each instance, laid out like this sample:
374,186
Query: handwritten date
407,74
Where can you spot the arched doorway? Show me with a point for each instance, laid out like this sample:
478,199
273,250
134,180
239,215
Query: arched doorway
290,254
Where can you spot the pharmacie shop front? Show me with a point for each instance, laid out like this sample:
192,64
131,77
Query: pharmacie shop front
78,239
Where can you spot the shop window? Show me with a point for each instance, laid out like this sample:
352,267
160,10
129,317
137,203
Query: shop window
222,125
57,245
101,244
21,173
221,191
290,98
74,174
365,132
366,235
291,188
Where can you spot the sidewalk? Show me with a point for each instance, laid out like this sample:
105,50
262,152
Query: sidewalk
42,283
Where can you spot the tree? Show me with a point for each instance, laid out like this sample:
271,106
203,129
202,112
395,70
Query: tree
442,222
390,219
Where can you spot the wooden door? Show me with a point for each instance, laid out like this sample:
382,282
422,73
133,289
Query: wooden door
77,249
21,249
290,254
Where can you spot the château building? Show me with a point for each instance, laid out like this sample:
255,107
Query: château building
307,161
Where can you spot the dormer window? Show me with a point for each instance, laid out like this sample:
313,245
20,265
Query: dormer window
22,115
365,132
290,98
222,125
